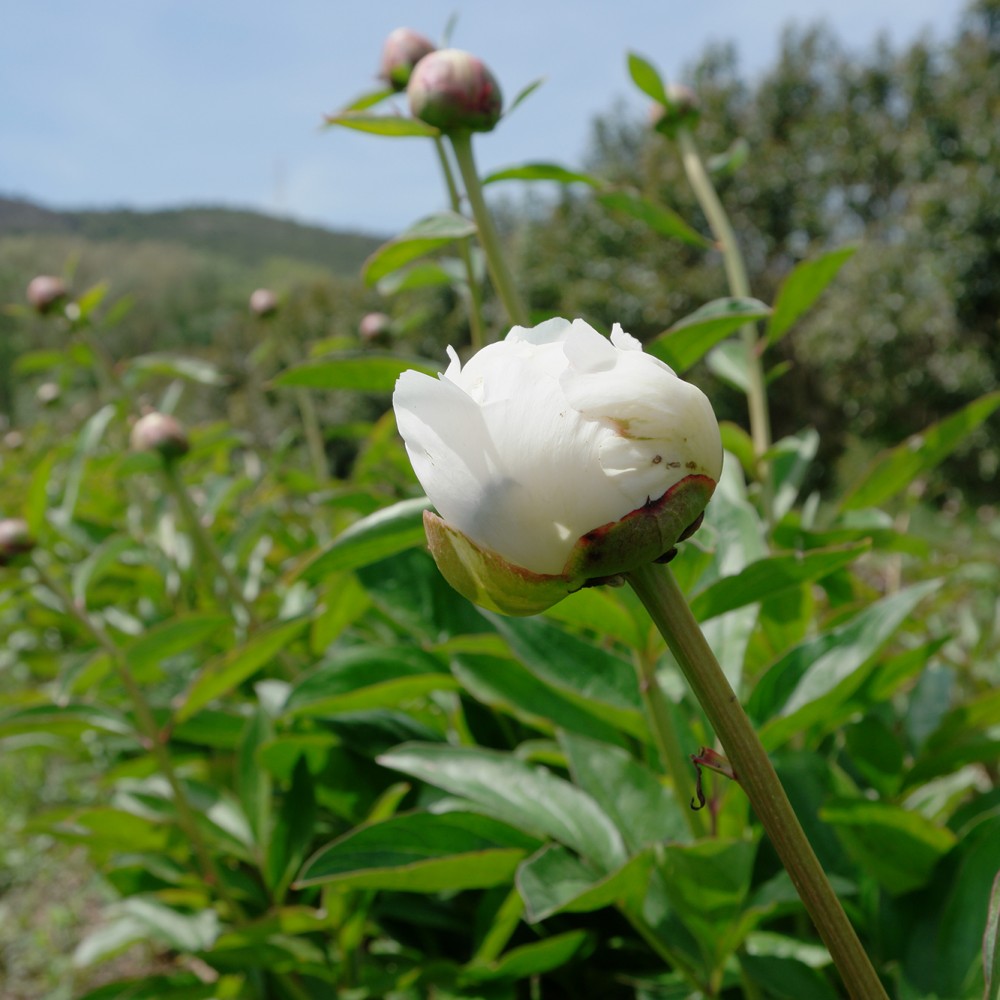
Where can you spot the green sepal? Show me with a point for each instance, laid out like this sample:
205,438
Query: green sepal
641,536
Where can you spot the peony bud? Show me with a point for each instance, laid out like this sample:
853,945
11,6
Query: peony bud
403,49
556,459
455,92
46,292
48,393
15,539
682,111
375,327
263,302
160,432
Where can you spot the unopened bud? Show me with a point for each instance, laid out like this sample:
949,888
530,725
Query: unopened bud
263,302
15,539
682,110
455,92
46,292
403,49
48,393
375,327
13,440
160,432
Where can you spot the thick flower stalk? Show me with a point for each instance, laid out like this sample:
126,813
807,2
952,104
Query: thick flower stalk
556,458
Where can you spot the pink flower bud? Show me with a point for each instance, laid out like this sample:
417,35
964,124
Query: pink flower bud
375,327
48,393
160,432
46,292
15,539
455,92
403,49
263,302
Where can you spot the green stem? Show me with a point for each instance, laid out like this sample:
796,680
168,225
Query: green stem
151,734
476,332
310,420
203,540
739,286
503,280
658,591
661,726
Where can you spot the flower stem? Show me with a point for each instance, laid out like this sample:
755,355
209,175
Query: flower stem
739,286
476,333
151,734
503,280
664,736
658,591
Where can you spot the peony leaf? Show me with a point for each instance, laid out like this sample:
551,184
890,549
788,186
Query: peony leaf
991,944
659,218
895,469
542,172
803,287
422,238
690,338
367,372
647,78
389,125
523,94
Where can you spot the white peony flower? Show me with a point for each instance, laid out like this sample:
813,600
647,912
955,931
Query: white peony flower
550,434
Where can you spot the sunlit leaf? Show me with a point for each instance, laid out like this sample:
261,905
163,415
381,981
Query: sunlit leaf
359,372
542,172
647,78
689,339
389,125
659,218
802,288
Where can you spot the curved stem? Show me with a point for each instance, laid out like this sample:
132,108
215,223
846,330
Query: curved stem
658,591
739,286
151,734
661,726
503,280
476,333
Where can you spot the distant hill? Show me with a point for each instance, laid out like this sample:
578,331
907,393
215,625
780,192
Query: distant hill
247,238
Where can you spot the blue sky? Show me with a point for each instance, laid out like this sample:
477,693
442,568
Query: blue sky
159,103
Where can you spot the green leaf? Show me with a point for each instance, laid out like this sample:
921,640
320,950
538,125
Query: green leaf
529,960
183,932
647,78
786,978
594,678
690,338
172,637
185,986
542,172
659,218
191,369
390,125
420,239
895,469
766,577
33,362
70,719
371,539
293,831
422,852
991,944
555,880
86,444
728,361
362,373
224,673
897,847
505,685
530,798
425,274
804,686
802,288
523,94
368,677
644,811
253,782
99,562
368,100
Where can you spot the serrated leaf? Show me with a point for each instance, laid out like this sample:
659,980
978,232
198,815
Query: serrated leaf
388,125
422,852
895,469
358,372
532,799
647,78
385,533
542,172
690,338
659,218
802,288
